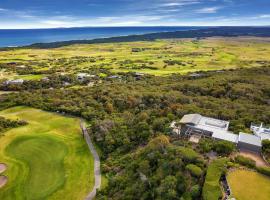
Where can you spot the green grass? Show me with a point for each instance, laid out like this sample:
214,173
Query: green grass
211,187
47,159
246,185
203,55
29,77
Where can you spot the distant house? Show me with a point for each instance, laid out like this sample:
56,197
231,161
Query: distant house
195,75
114,77
196,124
138,75
261,131
15,82
84,76
45,79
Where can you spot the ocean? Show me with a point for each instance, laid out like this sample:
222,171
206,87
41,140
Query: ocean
20,37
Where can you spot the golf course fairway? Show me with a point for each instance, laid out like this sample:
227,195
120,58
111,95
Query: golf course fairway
46,159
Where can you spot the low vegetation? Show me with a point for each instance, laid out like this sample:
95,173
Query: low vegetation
159,57
266,149
211,188
6,124
248,162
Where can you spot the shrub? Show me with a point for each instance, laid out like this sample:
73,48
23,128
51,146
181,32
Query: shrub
195,191
245,161
264,170
205,145
211,187
194,170
224,147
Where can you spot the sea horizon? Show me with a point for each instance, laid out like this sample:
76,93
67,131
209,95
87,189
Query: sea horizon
22,37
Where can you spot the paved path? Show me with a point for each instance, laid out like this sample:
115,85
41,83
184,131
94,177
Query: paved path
92,194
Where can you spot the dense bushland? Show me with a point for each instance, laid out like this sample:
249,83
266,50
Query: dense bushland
125,116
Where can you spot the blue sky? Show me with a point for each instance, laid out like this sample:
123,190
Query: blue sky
77,13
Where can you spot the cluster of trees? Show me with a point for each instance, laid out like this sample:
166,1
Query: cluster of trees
160,170
223,148
7,124
125,116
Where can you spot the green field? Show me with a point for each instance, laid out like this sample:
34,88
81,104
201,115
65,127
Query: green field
46,159
188,55
246,185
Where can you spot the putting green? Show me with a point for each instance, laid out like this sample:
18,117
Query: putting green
47,159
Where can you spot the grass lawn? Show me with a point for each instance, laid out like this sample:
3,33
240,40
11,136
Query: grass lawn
46,159
248,185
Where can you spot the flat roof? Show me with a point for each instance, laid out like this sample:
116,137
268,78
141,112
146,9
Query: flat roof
225,135
211,123
190,119
250,139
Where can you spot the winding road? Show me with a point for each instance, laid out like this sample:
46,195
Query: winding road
92,149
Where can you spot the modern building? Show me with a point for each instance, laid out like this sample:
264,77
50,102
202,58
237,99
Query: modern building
261,131
196,124
15,82
84,76
249,142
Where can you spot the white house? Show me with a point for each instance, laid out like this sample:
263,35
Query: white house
196,124
261,131
83,76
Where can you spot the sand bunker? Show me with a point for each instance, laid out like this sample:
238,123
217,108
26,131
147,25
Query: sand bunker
3,181
3,167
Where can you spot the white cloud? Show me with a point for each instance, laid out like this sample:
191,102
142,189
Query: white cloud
179,3
264,16
208,10
3,9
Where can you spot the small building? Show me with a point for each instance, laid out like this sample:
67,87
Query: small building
15,82
249,142
114,77
84,76
261,131
45,79
195,75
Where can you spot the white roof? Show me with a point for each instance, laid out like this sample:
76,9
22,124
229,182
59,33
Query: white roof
191,119
265,136
250,139
211,124
225,135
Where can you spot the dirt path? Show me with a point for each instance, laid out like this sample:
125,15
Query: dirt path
257,158
97,185
3,167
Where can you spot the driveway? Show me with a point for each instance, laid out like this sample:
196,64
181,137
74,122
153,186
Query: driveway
92,149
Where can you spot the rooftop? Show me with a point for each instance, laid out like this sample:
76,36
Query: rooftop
191,119
250,139
225,135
